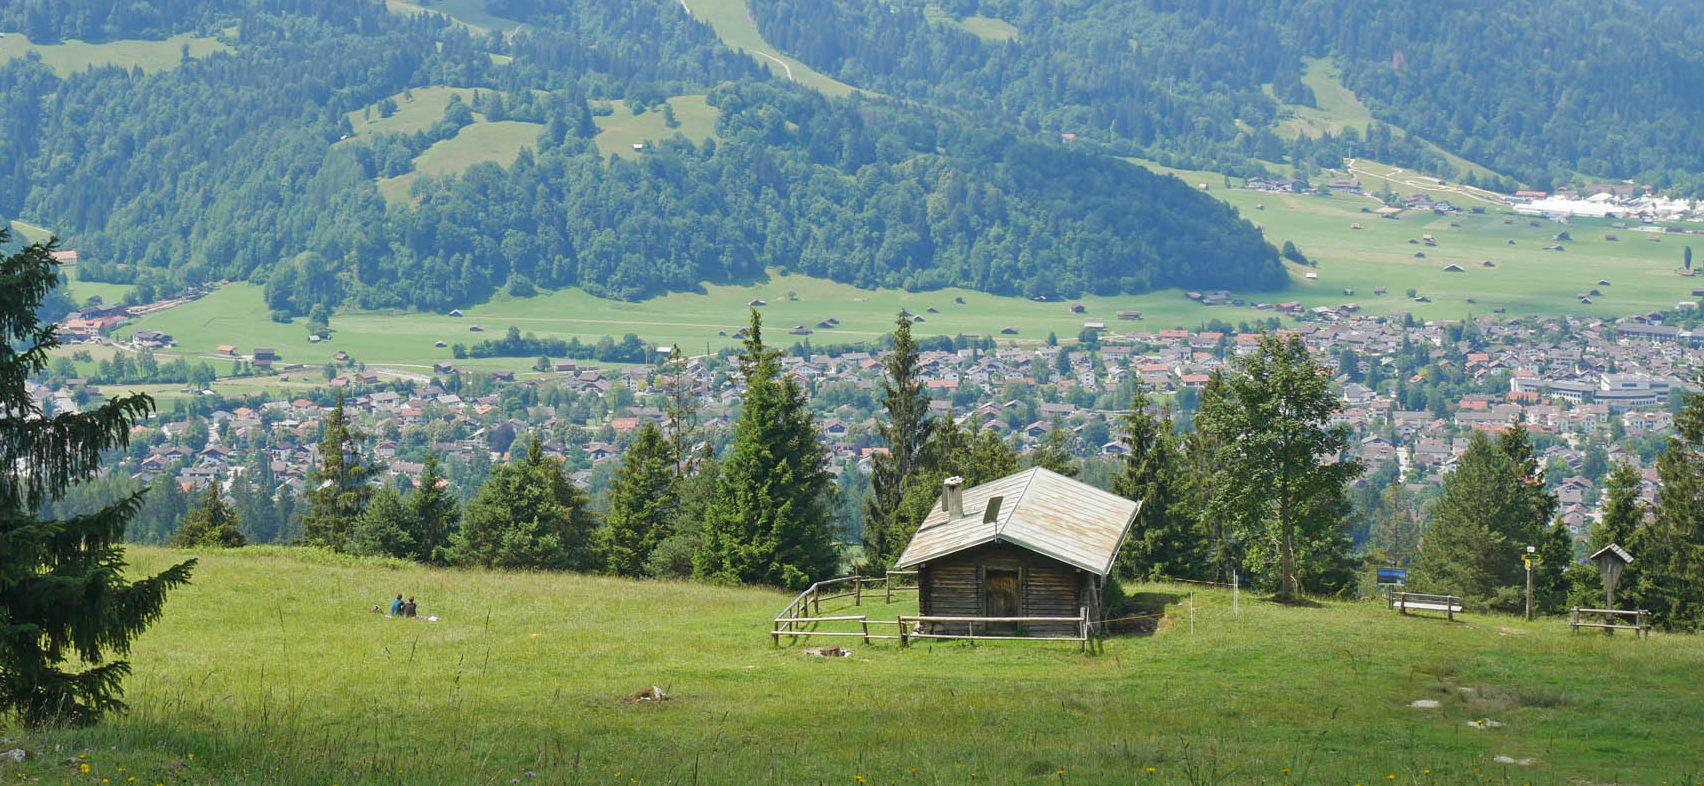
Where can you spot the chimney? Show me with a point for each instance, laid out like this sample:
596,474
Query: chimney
952,496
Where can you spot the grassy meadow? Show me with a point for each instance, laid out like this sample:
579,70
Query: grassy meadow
270,669
69,57
733,24
471,14
620,130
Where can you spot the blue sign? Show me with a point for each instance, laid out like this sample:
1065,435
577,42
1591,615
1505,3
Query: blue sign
1393,576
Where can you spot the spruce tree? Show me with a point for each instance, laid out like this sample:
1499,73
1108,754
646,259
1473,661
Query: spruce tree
63,590
641,503
680,392
212,524
527,515
906,434
1669,552
1271,420
1162,541
383,528
1479,529
434,514
769,521
1623,512
1053,453
337,491
1396,532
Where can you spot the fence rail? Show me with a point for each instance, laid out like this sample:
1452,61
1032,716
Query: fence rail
801,617
1641,621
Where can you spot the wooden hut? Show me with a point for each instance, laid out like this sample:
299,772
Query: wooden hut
1032,544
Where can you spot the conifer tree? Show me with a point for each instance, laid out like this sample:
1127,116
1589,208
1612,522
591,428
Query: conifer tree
434,514
1669,552
63,590
337,491
769,521
1162,541
212,524
1396,533
641,503
1479,529
527,516
1271,420
680,391
1623,512
906,434
1053,453
383,528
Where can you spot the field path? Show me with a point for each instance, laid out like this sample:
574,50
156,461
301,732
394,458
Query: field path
1427,183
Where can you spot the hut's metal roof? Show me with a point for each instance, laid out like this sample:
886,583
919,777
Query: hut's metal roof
1040,510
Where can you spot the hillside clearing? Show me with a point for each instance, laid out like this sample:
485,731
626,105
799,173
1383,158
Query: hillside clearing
270,668
620,130
471,14
498,142
733,24
70,57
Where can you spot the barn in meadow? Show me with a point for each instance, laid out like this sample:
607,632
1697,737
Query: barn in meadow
1031,544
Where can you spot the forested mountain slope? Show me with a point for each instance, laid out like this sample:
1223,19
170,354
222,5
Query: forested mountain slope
1537,89
244,165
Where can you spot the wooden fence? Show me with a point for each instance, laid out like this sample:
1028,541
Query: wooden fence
802,617
804,614
1641,621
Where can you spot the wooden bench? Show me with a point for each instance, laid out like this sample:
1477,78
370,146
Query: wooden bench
1641,621
1405,601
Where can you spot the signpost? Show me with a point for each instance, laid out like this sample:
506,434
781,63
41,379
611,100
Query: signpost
1529,559
1393,576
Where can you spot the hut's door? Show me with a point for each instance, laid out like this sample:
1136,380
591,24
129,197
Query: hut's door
1000,588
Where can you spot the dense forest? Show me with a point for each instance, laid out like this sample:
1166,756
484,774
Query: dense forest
242,165
1532,88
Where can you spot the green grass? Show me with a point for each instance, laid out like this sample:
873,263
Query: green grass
73,56
416,110
733,24
30,233
985,27
268,669
620,130
1337,108
1526,279
81,290
468,13
497,141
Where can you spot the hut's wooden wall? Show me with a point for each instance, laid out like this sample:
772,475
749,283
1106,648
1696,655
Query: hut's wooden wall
951,587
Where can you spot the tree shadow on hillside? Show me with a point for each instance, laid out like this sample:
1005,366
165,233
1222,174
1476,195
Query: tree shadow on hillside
1139,614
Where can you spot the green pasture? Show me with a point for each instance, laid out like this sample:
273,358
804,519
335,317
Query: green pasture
29,233
70,57
733,24
620,130
416,110
985,27
498,141
471,14
269,668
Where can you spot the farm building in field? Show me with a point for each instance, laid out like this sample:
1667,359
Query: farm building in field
1032,544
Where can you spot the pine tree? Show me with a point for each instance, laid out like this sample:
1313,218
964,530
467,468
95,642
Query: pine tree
383,528
1669,552
63,591
527,516
434,514
212,524
680,392
1550,577
1479,529
1396,533
1623,512
641,503
1162,541
337,490
1271,420
769,522
1053,453
906,434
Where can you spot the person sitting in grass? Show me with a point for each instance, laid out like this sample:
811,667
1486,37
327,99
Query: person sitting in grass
397,606
408,609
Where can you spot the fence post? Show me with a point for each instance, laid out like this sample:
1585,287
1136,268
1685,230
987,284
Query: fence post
1083,630
887,584
858,591
1449,607
816,602
904,636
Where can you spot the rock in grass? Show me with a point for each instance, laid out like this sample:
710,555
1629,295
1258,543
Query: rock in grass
829,652
1484,723
1501,759
1425,704
15,755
